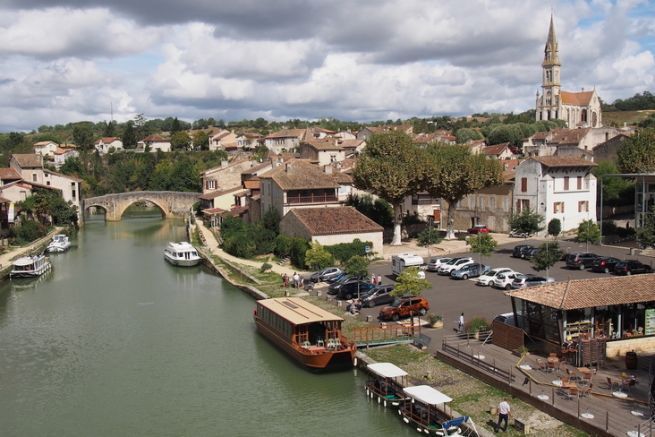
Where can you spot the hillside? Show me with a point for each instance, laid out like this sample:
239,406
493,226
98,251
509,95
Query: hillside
618,118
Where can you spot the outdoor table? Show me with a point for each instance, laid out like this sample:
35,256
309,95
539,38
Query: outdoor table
553,363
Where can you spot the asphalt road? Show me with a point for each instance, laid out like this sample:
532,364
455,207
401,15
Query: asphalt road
450,297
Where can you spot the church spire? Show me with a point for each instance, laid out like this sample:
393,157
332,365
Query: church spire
551,51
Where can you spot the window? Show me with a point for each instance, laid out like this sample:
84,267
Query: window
34,177
524,185
492,202
73,194
583,206
579,182
566,183
211,184
47,183
558,208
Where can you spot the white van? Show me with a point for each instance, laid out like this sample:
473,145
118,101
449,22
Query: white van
402,261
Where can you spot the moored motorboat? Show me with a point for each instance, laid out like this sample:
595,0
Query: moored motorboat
30,266
309,334
59,243
182,254
386,383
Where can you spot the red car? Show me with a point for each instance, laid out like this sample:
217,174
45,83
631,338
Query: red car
479,229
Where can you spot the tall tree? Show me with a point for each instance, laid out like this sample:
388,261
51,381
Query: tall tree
180,141
388,169
482,244
637,154
409,283
527,222
549,253
452,172
129,135
588,232
554,227
201,140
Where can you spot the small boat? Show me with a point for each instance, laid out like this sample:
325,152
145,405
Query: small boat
182,254
30,267
59,243
308,333
425,411
386,383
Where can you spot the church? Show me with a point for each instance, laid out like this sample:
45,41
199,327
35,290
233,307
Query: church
577,109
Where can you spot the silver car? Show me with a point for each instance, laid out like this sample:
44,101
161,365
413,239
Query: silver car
435,263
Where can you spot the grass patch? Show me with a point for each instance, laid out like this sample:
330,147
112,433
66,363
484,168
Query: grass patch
630,117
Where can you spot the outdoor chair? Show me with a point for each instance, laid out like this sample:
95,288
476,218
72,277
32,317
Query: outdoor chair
541,363
320,342
611,384
571,375
571,392
305,344
585,389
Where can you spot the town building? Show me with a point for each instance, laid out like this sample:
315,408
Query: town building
64,152
230,175
223,140
499,152
577,109
153,143
249,140
45,148
608,150
108,145
568,142
285,140
557,187
322,151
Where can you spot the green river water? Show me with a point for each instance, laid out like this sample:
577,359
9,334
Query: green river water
116,342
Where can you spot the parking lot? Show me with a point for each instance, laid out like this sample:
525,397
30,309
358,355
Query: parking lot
449,297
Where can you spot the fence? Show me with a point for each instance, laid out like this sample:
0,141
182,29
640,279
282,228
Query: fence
374,336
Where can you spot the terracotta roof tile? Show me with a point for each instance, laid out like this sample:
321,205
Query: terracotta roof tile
495,150
324,144
7,174
214,194
288,133
298,174
336,220
581,98
28,160
587,293
563,161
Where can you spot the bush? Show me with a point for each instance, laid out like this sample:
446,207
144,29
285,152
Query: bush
246,240
297,252
28,231
342,252
379,210
477,324
318,258
265,267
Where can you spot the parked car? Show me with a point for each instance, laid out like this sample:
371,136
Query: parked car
604,264
487,278
405,307
351,289
479,229
504,280
454,264
337,278
531,253
380,295
632,267
507,318
435,263
325,274
472,270
514,233
523,281
519,251
580,260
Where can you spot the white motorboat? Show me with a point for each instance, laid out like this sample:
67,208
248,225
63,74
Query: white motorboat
59,243
182,254
30,266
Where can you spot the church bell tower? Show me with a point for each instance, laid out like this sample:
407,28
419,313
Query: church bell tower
548,104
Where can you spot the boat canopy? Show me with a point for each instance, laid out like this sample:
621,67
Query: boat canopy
426,395
298,311
24,261
181,247
386,370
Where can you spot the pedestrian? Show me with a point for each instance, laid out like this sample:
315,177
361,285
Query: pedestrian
373,279
379,280
296,279
460,323
504,413
285,280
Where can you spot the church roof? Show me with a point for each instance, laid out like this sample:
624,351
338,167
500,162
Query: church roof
581,98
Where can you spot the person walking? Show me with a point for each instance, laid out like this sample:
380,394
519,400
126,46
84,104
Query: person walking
285,280
379,280
373,279
296,279
504,413
460,323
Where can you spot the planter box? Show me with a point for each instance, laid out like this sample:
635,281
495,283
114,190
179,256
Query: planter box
438,324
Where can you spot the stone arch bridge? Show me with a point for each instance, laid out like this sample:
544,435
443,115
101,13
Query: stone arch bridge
171,203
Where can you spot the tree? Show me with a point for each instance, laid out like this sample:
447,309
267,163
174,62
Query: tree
271,220
554,227
428,237
637,154
357,266
180,141
646,234
129,135
549,253
465,135
481,243
527,222
388,168
45,204
588,232
452,172
616,190
175,126
201,140
409,283
72,165
83,136
317,258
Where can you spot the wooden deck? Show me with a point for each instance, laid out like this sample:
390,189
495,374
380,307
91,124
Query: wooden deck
598,413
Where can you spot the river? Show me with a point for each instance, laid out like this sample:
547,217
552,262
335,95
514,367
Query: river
116,342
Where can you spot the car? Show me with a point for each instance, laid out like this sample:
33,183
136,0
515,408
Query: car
504,280
507,318
531,253
523,281
325,274
380,295
405,307
515,233
631,267
337,278
519,251
580,260
351,289
434,263
604,264
472,270
479,229
454,264
487,278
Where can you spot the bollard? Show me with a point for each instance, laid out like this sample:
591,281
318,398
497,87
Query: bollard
552,396
530,388
607,421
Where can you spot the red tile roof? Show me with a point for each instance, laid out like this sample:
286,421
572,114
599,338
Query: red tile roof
298,174
288,133
214,194
336,220
495,150
28,160
9,174
581,98
562,161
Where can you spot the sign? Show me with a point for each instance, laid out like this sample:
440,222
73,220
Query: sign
649,329
367,249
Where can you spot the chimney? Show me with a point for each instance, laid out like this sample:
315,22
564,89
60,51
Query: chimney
328,169
286,167
223,164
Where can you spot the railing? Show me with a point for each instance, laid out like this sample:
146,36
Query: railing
477,361
392,334
311,199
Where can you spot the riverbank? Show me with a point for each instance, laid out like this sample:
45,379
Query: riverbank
33,248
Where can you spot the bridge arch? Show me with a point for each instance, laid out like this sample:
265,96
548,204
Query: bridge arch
171,203
125,206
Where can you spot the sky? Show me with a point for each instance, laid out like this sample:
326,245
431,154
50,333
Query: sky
71,60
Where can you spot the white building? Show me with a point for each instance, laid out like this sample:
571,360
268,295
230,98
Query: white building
284,140
45,148
223,140
557,187
154,143
109,144
64,153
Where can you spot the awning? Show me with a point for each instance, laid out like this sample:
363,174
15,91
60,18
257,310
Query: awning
386,370
426,395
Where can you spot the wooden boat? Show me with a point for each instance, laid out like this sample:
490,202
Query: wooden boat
386,383
426,412
30,267
182,254
309,334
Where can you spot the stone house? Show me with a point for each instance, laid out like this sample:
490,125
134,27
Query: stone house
223,140
284,140
62,154
608,150
45,148
230,175
553,142
329,226
322,152
499,152
249,140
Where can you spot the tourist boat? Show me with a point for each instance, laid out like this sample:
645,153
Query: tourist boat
30,267
182,254
386,383
425,410
59,243
309,334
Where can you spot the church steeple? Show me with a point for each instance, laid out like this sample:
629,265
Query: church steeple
551,51
548,104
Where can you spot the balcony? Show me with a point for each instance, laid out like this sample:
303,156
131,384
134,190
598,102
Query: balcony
312,198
